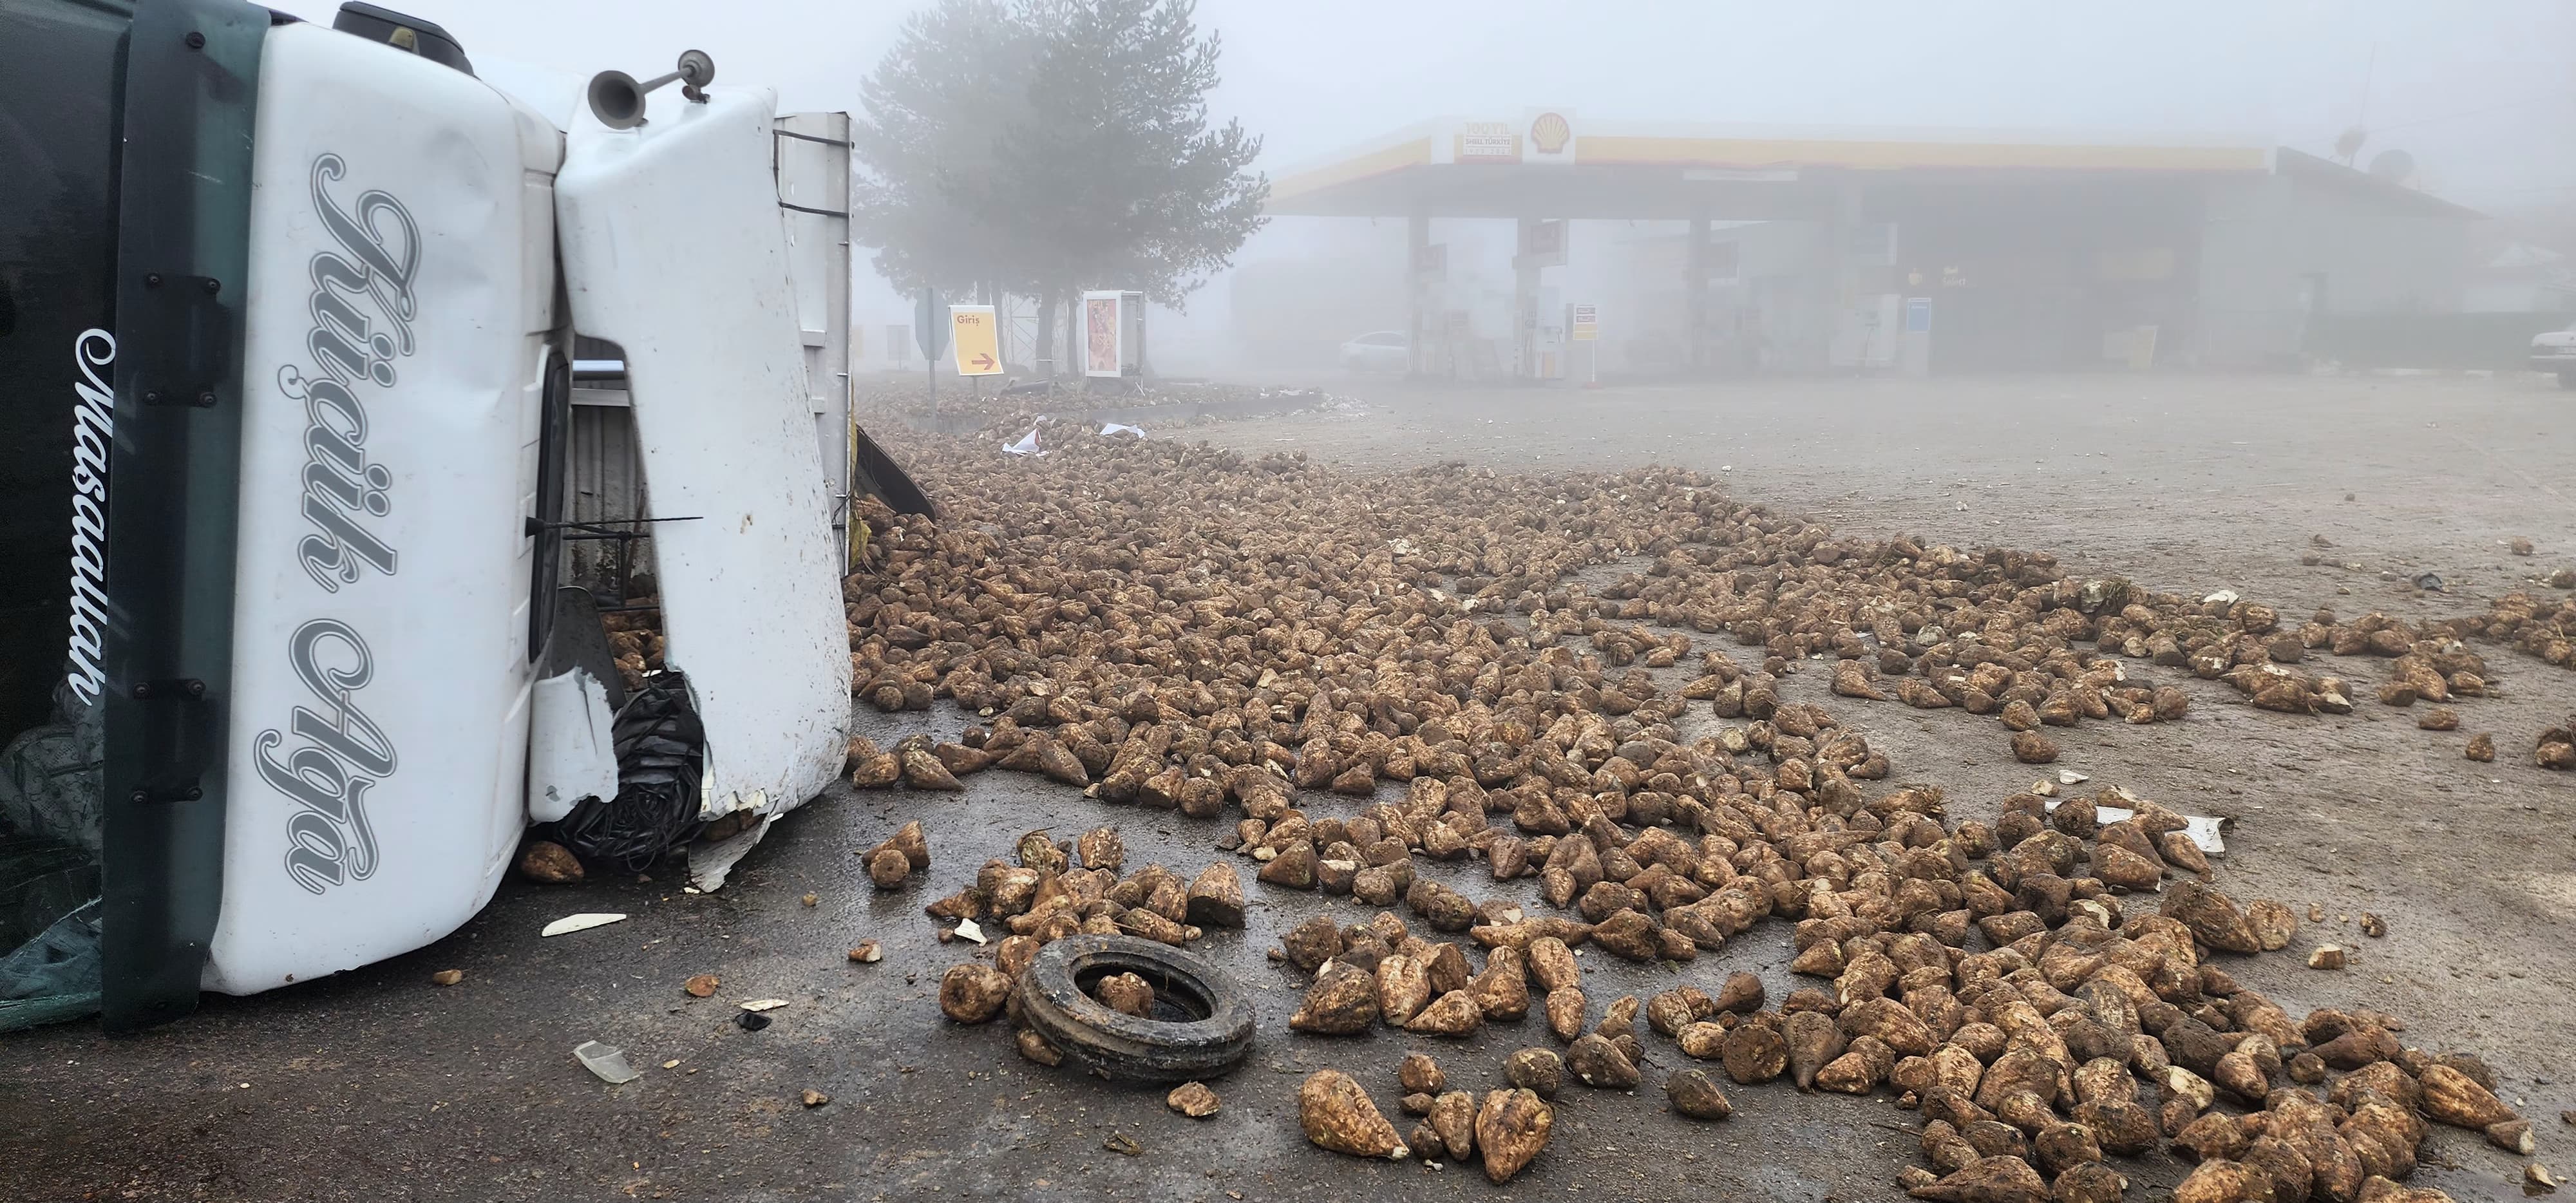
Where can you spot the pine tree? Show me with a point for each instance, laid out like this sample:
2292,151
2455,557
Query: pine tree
1053,145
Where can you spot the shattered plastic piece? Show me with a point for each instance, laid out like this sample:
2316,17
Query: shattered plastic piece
968,929
581,922
2224,597
764,1004
711,861
751,1021
607,1062
1115,427
1028,444
2429,582
2071,777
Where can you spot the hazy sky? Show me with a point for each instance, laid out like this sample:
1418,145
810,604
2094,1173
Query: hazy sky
2480,91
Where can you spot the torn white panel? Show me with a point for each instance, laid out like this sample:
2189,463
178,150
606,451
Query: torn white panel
1028,444
711,862
1115,427
571,755
2200,829
673,248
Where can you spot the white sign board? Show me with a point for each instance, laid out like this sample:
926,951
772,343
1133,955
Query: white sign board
1113,330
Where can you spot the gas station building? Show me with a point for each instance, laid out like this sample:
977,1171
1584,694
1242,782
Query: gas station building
1891,250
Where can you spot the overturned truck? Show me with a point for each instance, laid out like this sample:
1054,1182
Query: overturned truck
287,328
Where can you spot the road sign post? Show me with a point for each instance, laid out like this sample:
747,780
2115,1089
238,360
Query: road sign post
976,342
931,334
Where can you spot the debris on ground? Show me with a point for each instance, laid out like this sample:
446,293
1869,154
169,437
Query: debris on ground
763,1004
1336,1114
814,1098
581,922
1126,994
605,1061
701,986
447,977
1250,640
903,854
1192,1099
867,952
1129,1008
2556,747
973,993
1419,1074
1512,1126
1695,1094
1033,416
1036,1048
550,862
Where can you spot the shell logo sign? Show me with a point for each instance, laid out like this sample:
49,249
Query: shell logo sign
1549,133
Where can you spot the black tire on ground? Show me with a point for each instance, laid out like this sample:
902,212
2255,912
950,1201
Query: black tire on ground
1211,1028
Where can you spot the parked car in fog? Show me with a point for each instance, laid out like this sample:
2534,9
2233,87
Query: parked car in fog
1379,351
2554,351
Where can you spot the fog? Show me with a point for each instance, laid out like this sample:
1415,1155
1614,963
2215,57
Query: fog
2479,95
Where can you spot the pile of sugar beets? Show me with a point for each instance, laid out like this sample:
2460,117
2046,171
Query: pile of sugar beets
2088,1029
1182,628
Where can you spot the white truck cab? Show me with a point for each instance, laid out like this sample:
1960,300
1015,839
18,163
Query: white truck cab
293,405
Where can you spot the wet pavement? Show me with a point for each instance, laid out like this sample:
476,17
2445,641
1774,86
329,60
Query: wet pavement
376,1084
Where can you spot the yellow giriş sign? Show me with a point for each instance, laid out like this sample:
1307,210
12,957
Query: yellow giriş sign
975,341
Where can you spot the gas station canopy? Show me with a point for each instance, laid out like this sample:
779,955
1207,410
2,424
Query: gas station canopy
2039,249
1548,164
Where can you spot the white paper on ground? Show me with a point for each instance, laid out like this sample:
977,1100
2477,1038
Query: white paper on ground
581,922
2200,829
